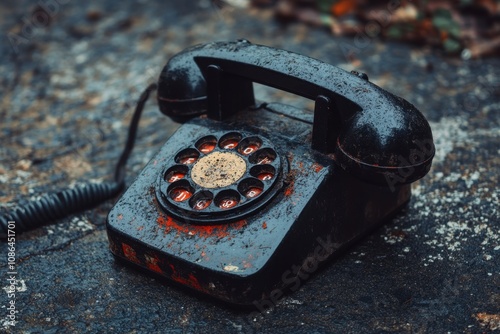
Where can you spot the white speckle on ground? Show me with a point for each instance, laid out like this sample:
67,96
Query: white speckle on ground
117,125
448,133
6,322
4,178
288,301
392,239
463,223
474,176
20,286
78,224
462,212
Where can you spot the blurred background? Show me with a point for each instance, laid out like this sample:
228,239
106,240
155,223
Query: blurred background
465,28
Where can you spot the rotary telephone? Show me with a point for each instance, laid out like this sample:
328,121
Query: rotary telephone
245,200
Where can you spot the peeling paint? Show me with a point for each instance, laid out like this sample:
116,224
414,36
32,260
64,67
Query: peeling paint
152,263
130,253
231,268
190,280
317,167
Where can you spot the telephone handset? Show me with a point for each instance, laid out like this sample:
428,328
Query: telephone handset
239,200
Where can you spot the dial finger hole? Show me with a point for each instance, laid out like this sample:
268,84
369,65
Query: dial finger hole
201,200
187,156
227,199
249,145
176,173
180,194
263,172
206,144
253,192
263,156
228,203
250,188
265,176
230,140
180,191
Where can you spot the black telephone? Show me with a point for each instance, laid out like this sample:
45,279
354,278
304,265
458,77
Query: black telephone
245,199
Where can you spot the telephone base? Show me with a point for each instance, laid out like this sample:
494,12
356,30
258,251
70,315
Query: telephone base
310,214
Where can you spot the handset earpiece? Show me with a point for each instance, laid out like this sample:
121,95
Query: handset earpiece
182,88
387,146
182,92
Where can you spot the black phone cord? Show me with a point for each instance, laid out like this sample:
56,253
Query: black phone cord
52,207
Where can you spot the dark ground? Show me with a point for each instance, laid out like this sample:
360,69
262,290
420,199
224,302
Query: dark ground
65,106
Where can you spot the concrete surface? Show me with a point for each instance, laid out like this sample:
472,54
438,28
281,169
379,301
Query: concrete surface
67,91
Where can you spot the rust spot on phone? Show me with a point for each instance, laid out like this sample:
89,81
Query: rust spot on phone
190,280
152,263
130,253
289,189
317,167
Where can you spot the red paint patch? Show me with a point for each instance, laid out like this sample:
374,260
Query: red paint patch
204,231
190,281
129,253
152,263
289,189
264,225
239,224
317,167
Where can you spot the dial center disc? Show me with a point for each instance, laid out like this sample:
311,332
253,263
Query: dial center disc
218,169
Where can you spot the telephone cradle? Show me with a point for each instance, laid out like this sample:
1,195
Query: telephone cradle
245,199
